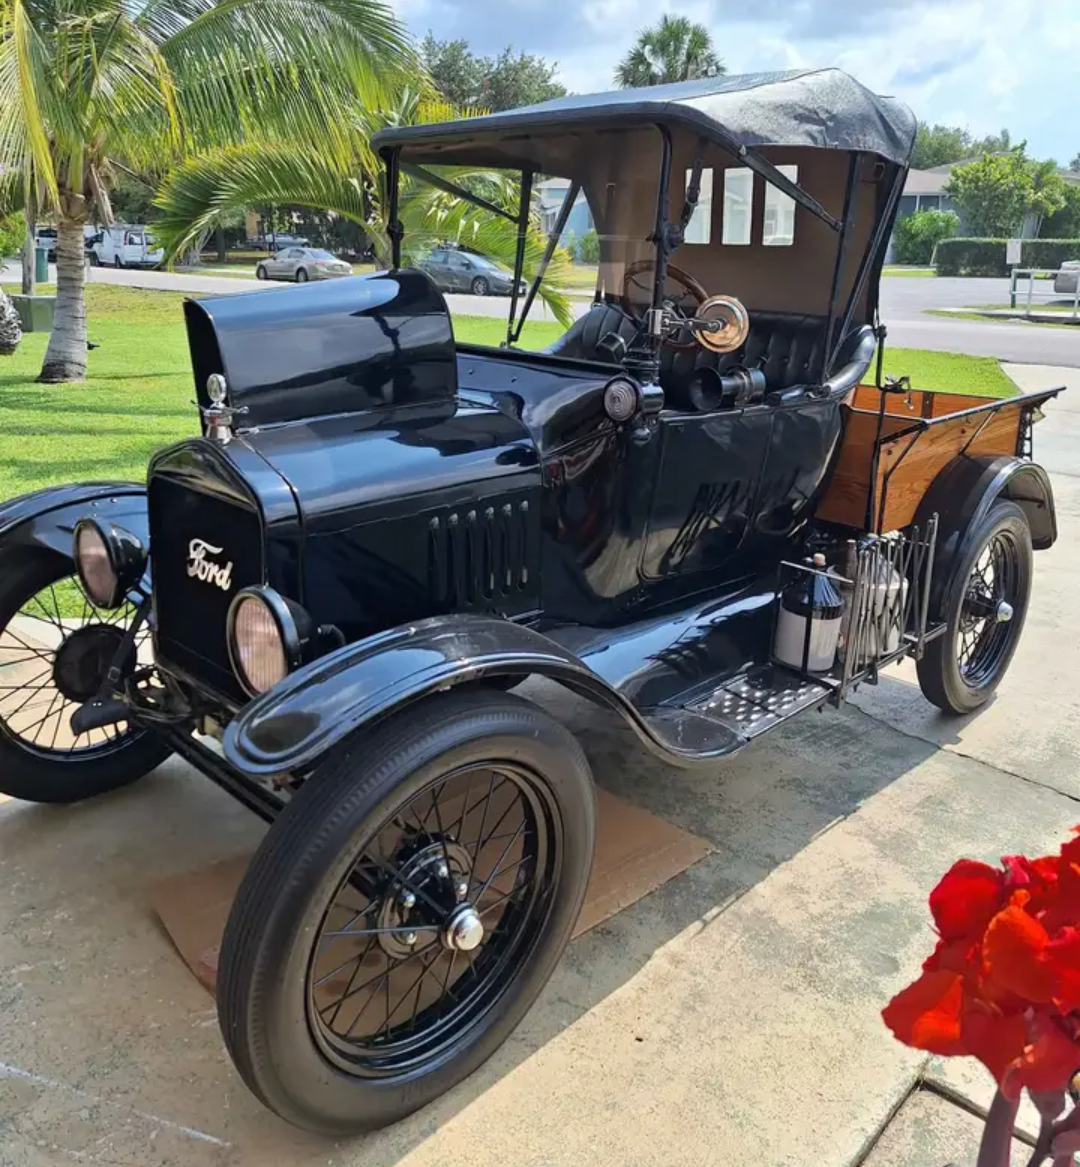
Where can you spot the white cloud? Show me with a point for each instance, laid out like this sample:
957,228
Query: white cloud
978,63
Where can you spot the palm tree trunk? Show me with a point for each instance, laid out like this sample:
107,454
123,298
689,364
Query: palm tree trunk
65,358
10,326
219,239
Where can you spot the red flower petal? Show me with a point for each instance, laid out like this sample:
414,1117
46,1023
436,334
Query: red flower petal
1047,1064
1063,957
926,1014
995,1040
1013,956
966,899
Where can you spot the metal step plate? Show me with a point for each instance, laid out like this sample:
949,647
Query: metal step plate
759,700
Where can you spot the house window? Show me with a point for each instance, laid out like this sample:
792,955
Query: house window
699,229
779,224
738,204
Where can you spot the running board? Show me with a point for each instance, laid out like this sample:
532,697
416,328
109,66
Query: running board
732,715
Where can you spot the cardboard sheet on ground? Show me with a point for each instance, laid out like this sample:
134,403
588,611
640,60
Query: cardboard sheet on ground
636,853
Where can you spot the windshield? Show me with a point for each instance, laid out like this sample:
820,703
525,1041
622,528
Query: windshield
318,253
581,236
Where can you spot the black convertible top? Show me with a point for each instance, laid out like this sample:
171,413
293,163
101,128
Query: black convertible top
824,108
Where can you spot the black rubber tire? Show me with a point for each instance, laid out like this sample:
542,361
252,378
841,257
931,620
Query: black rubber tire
35,778
261,272
301,275
262,972
480,286
939,670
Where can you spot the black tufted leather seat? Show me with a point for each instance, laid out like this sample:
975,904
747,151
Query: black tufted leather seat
787,348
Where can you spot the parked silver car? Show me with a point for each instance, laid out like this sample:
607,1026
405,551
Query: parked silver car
1065,280
302,264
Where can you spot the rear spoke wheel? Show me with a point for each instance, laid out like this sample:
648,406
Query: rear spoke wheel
987,602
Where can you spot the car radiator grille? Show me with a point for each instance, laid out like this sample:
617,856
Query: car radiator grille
190,603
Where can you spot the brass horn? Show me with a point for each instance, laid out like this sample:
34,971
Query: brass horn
729,320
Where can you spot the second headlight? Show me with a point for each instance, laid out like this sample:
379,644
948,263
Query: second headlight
268,638
110,560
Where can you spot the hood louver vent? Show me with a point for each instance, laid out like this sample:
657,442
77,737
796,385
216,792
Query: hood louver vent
484,557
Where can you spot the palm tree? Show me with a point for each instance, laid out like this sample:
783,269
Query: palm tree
150,82
676,49
199,191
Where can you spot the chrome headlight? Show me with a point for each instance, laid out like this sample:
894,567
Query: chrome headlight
268,637
110,560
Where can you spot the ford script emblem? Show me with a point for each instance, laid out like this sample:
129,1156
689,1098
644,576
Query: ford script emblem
199,567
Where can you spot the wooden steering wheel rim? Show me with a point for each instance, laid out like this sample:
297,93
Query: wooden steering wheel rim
676,273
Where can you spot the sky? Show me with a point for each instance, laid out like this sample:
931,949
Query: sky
983,64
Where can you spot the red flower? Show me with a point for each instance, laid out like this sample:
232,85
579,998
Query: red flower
1003,983
966,898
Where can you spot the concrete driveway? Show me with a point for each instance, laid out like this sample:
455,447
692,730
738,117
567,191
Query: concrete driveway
731,1017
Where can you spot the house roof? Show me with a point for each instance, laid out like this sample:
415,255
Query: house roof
927,182
823,108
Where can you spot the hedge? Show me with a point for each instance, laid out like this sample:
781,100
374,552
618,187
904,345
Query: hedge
986,257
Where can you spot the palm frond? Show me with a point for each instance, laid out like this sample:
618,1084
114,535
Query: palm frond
197,193
24,75
249,70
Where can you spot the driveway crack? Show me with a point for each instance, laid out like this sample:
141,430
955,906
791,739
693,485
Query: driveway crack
969,757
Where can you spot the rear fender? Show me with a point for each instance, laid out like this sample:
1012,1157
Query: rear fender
963,493
44,521
296,723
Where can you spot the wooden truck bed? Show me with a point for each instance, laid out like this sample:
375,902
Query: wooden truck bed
896,443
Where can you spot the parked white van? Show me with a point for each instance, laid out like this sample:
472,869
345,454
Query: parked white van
125,246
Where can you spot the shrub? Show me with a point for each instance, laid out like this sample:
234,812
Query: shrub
917,235
1064,224
986,257
12,235
588,250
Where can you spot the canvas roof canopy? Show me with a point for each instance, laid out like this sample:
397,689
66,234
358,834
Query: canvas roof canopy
820,108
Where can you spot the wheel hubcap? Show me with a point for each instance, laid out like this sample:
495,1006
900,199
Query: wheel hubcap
428,878
465,931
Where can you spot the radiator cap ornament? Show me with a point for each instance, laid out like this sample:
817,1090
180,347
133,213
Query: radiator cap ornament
218,416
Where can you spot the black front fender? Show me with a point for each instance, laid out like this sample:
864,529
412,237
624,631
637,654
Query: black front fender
292,727
45,520
962,494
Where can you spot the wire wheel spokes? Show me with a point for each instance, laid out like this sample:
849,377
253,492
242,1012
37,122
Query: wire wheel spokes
983,636
435,918
35,709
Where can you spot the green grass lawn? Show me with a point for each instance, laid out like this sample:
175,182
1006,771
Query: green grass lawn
917,272
138,395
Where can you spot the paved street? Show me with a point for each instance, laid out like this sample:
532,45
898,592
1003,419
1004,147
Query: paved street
903,304
731,1017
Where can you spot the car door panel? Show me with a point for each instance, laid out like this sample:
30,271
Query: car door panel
803,442
706,490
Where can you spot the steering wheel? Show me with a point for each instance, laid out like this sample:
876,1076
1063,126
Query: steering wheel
677,274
